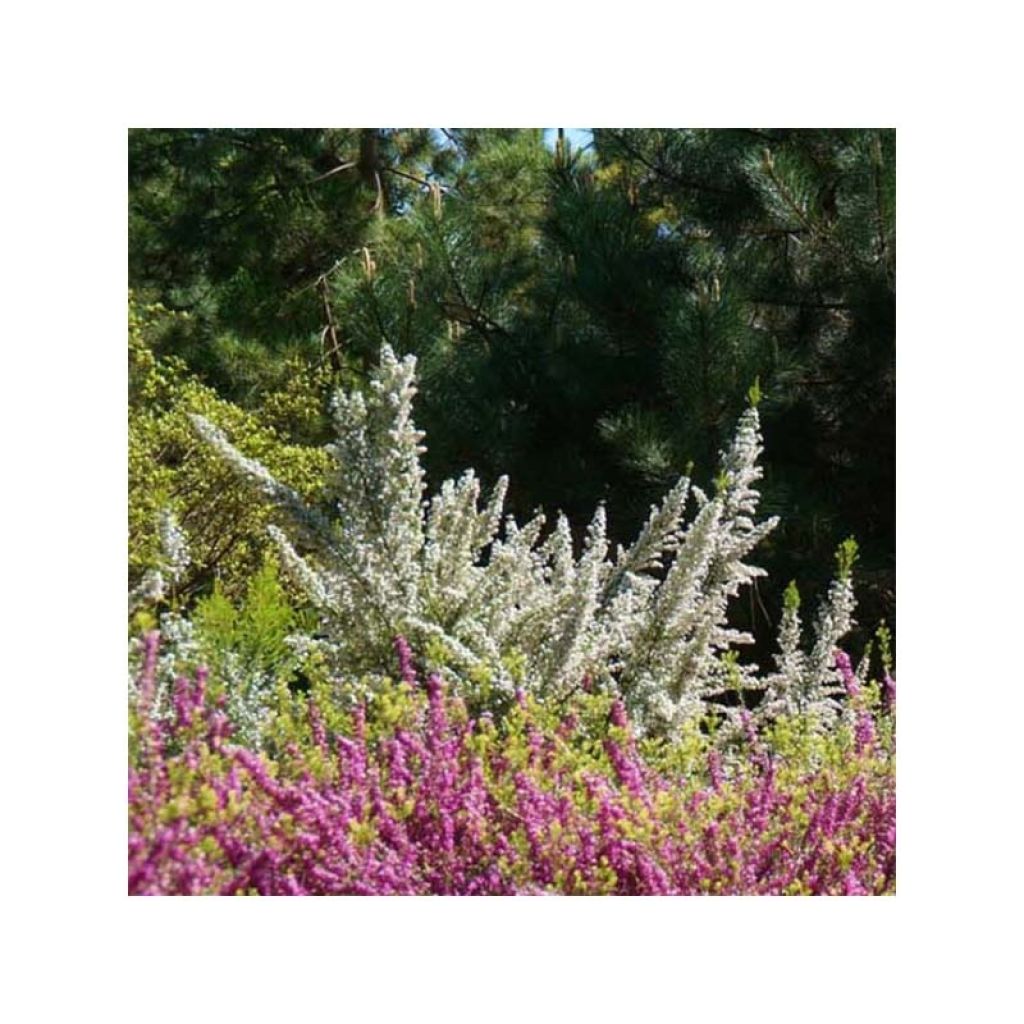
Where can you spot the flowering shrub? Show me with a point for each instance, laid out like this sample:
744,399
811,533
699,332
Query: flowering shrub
412,794
510,608
244,644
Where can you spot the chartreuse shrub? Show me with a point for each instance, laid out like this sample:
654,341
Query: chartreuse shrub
411,793
169,472
246,647
501,605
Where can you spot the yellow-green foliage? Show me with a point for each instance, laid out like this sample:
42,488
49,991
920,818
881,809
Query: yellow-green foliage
255,629
168,466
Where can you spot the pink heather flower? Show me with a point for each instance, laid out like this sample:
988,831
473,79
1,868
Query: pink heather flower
846,671
220,730
413,811
183,701
405,665
435,687
889,691
715,768
852,885
202,674
617,716
749,728
147,680
864,734
316,725
626,768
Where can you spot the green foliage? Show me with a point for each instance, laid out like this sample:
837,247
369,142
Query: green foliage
846,558
245,646
582,724
169,469
255,630
883,636
798,226
236,225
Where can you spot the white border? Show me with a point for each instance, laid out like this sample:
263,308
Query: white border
79,76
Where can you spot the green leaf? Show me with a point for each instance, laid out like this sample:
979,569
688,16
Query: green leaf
846,556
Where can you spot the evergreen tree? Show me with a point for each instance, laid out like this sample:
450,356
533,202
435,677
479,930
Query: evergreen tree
236,227
798,226
530,295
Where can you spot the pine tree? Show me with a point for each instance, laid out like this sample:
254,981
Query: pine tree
798,226
237,227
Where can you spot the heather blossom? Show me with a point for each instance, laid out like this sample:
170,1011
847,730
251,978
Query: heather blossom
486,598
428,799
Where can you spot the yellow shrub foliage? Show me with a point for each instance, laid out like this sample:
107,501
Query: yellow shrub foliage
168,467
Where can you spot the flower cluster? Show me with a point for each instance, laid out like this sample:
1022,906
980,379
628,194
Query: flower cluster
508,605
414,795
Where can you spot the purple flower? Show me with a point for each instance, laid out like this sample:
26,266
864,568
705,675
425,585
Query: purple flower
147,681
864,733
852,885
889,691
715,769
419,808
846,671
617,715
405,662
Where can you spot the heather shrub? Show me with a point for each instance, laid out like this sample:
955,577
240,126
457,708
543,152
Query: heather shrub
412,794
500,606
244,645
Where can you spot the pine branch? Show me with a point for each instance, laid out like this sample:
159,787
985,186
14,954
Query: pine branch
663,172
347,166
419,181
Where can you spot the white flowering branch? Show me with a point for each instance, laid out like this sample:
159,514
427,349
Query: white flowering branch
651,624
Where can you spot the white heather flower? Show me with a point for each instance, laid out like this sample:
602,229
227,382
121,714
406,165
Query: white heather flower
650,624
810,683
174,545
150,590
174,560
